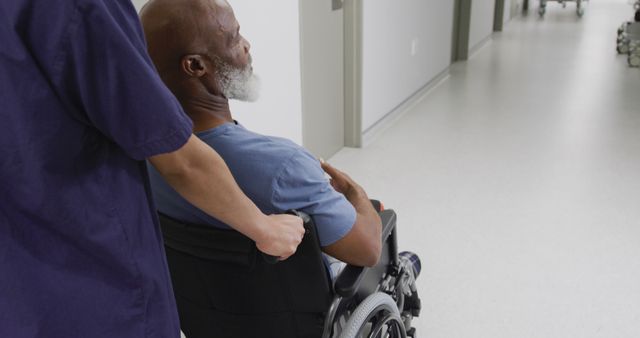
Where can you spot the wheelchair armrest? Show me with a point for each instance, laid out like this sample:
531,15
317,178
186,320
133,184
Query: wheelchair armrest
389,219
349,280
351,276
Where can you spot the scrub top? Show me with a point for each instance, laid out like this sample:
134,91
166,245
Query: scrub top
81,107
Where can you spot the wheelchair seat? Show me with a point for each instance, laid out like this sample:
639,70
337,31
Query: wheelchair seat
225,288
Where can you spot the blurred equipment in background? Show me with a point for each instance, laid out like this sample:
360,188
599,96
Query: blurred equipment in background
579,6
628,39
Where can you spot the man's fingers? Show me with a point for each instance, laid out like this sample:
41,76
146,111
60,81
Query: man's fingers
333,172
328,168
334,184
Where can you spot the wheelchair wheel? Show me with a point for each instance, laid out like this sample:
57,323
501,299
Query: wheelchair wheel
377,316
542,7
623,48
579,8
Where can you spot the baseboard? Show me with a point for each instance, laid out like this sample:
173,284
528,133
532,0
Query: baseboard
373,132
475,49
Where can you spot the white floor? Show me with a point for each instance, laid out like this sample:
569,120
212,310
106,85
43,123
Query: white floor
517,181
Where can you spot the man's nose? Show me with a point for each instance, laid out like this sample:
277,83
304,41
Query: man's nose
247,46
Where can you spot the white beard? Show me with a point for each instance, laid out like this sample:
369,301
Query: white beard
238,83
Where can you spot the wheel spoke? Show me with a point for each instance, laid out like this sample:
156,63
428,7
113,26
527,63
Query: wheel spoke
390,323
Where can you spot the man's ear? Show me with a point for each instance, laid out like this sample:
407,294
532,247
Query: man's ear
194,65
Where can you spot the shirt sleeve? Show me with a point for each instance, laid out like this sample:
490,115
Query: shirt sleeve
302,185
108,81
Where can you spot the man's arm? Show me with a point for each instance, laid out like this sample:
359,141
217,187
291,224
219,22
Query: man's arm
200,175
363,244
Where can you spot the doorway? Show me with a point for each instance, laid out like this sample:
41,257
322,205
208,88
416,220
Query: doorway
330,36
322,63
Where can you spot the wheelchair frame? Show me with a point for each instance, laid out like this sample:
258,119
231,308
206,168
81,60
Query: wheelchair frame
579,6
396,283
628,42
300,299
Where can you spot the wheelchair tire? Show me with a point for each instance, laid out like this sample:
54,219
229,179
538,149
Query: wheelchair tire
375,304
623,48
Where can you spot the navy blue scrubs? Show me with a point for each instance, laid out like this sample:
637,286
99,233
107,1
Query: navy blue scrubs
81,107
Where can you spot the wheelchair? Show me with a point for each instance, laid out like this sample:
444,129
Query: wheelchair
628,41
225,287
580,4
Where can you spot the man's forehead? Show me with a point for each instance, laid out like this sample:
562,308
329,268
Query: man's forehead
225,17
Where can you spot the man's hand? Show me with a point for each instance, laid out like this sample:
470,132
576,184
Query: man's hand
282,235
341,181
362,245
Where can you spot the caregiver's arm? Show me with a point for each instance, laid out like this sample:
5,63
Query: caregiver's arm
200,175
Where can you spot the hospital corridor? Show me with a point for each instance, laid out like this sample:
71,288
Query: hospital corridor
517,181
320,169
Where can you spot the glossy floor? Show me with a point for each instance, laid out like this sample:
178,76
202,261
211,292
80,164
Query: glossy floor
517,180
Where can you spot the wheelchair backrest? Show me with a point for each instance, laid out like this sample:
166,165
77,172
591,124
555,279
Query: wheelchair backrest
291,296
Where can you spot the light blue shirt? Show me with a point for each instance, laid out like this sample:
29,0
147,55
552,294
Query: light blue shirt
277,174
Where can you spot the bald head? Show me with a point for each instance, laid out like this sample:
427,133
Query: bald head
174,28
197,43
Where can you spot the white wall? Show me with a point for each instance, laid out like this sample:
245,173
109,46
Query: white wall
390,73
516,7
275,47
507,12
273,30
481,27
139,3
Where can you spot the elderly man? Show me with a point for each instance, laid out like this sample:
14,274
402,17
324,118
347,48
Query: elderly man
205,61
200,54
